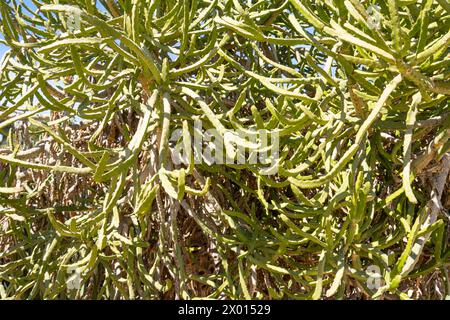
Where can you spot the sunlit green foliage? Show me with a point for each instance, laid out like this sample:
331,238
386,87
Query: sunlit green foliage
359,95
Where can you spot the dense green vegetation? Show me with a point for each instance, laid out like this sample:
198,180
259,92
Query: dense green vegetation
92,205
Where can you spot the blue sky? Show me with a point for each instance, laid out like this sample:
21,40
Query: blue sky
3,48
